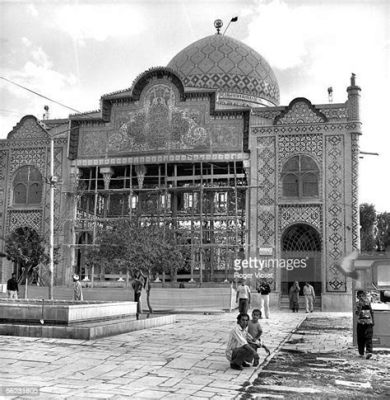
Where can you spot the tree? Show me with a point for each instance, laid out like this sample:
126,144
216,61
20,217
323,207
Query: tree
27,249
367,227
383,231
138,245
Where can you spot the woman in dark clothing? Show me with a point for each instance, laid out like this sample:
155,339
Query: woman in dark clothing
294,296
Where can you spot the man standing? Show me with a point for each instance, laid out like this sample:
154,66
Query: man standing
243,297
238,351
264,290
308,292
137,285
12,287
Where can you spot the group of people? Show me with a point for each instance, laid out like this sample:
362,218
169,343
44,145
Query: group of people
308,293
243,296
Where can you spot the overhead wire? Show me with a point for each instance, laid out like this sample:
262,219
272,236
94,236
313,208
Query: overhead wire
39,94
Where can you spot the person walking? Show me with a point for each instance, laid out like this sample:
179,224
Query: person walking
264,290
365,324
294,296
308,292
12,287
243,297
77,289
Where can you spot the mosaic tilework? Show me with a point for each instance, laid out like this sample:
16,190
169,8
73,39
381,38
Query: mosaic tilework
266,191
334,114
300,111
161,123
224,63
58,153
289,145
235,84
353,104
355,193
31,156
302,129
28,128
291,214
3,173
21,218
335,281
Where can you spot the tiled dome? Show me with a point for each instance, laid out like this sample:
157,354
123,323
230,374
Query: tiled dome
240,74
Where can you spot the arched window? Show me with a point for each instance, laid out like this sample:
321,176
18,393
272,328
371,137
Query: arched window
300,177
27,186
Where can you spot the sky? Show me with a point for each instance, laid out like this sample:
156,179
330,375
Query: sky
75,51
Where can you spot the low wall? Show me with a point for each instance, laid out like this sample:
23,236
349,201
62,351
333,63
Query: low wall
63,311
273,300
191,298
337,302
162,299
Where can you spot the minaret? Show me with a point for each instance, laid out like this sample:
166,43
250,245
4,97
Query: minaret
354,129
353,105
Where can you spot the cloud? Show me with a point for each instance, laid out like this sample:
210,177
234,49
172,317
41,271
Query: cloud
32,10
38,74
26,42
277,32
99,21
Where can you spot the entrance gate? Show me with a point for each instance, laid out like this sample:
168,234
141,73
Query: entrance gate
301,250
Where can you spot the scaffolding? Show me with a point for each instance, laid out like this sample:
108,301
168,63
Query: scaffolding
203,202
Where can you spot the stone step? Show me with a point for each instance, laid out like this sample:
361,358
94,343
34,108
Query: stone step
284,302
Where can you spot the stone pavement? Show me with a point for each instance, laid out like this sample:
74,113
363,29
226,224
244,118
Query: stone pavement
181,361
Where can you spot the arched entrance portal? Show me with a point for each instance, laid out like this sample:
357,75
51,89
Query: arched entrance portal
301,250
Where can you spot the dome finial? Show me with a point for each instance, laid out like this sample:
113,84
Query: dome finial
218,25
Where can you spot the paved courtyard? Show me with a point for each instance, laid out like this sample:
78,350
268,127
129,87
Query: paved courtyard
181,361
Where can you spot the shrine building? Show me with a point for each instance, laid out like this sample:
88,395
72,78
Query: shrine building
257,189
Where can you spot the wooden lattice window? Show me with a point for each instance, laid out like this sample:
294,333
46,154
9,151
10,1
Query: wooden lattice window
300,177
27,186
301,237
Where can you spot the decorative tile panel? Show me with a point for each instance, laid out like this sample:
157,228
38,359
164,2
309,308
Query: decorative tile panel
334,114
300,111
290,145
21,218
355,193
162,123
3,174
303,129
32,156
266,191
292,214
28,128
335,281
58,155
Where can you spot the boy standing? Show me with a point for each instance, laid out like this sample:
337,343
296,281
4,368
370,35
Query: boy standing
365,323
255,332
243,297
